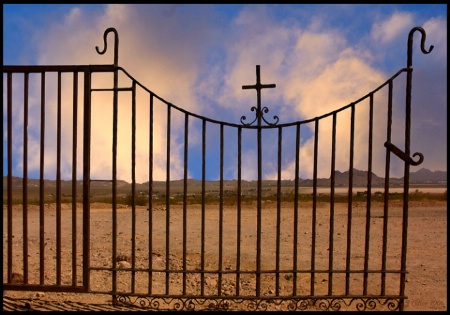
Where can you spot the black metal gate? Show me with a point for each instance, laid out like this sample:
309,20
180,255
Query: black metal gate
300,258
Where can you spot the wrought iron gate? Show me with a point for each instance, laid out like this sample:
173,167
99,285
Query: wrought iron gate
163,272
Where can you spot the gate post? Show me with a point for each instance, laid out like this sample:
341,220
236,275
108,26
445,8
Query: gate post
408,160
114,150
86,177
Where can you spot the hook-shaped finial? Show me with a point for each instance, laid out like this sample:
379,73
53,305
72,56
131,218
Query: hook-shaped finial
402,155
422,43
116,44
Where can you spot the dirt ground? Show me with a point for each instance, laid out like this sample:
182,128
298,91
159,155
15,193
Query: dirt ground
426,281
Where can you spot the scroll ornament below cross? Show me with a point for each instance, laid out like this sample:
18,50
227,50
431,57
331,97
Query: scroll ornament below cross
259,112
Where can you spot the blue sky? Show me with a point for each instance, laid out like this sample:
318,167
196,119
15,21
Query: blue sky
321,57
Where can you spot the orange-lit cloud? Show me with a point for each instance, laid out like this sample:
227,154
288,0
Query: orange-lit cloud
195,59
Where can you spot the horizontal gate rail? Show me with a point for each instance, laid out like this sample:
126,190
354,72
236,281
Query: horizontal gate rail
58,68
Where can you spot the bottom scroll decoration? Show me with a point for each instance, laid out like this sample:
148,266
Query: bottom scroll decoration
258,304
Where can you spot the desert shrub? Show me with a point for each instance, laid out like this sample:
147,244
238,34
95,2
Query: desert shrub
139,200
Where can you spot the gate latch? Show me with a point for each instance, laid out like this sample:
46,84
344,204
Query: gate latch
391,147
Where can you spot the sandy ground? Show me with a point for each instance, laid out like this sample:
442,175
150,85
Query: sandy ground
426,286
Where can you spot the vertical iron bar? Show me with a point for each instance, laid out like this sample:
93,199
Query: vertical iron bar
239,212
202,288
369,197
74,178
295,227
9,118
406,176
41,186
186,130
114,159
313,232
407,153
86,179
259,207
350,201
259,113
277,255
168,200
150,198
133,186
58,185
386,193
331,241
25,178
219,283
114,183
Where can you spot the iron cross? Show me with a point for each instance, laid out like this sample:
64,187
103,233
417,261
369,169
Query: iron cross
258,87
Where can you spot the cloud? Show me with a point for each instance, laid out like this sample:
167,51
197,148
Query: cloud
195,58
318,74
389,30
169,68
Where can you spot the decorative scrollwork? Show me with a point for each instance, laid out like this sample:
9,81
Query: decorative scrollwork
260,114
301,305
121,299
259,304
179,305
369,304
393,305
360,305
335,305
252,306
324,305
415,163
266,110
105,44
190,306
245,118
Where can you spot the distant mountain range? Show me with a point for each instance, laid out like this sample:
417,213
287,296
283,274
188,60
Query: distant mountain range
425,176
421,177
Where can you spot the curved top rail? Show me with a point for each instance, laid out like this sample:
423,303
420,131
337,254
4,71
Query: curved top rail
116,44
422,44
270,126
